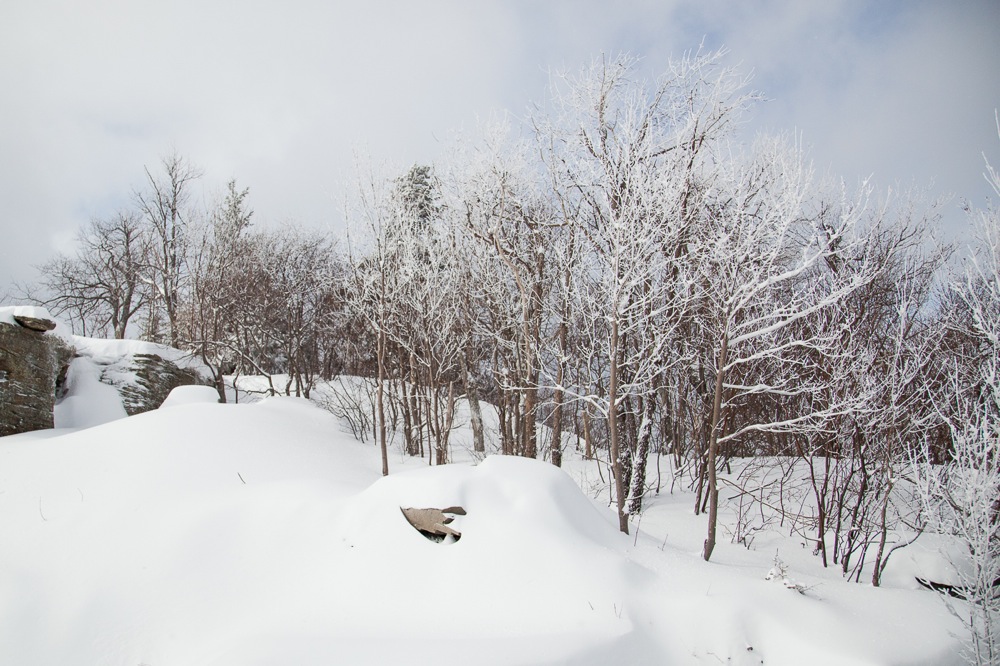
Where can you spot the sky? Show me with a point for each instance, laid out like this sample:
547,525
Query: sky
283,96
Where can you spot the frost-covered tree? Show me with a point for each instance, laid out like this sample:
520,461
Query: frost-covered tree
865,390
626,162
509,221
431,328
759,277
962,496
372,285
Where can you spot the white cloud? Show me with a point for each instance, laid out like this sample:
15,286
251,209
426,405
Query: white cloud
279,95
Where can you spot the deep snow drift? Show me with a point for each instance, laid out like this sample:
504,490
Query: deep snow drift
262,534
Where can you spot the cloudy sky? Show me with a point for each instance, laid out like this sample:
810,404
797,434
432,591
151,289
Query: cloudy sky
281,95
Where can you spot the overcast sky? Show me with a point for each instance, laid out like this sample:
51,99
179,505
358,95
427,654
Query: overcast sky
279,95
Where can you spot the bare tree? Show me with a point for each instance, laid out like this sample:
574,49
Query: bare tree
100,289
300,278
373,284
218,261
164,205
506,212
839,480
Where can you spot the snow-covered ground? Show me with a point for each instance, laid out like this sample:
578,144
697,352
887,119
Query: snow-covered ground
262,533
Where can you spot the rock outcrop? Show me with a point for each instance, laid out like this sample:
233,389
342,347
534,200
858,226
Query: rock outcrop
36,353
155,377
32,368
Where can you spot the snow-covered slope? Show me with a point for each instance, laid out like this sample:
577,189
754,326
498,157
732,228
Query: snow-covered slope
262,534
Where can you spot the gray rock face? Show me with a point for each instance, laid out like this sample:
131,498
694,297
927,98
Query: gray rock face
155,378
32,367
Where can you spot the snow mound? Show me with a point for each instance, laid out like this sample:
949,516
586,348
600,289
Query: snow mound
188,395
253,534
505,498
531,541
167,537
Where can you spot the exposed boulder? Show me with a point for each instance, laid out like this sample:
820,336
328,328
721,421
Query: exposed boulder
32,369
35,323
155,378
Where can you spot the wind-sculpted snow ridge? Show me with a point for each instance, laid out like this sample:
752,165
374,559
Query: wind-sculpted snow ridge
216,534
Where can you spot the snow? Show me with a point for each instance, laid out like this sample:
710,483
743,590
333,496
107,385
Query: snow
189,395
110,352
8,312
87,402
261,533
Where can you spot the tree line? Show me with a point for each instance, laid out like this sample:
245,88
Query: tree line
618,268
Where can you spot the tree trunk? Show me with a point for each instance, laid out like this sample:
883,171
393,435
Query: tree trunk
411,446
449,418
637,486
700,454
410,397
379,393
220,384
613,423
516,425
713,451
529,429
475,411
555,448
503,411
883,526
